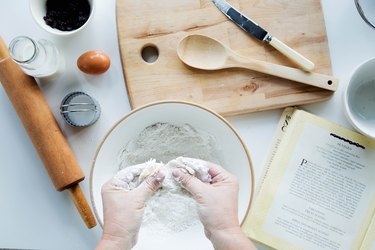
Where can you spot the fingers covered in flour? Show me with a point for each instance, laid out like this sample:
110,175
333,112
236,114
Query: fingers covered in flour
190,182
213,168
215,172
150,185
130,173
198,168
115,184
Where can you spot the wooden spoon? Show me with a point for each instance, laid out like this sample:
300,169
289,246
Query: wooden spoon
205,53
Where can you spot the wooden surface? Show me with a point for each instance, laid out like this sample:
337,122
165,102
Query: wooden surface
164,23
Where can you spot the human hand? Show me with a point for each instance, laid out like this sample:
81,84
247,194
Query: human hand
217,204
123,211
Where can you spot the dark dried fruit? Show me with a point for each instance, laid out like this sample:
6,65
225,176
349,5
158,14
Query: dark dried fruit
67,15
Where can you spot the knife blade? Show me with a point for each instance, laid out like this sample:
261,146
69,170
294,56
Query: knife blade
261,34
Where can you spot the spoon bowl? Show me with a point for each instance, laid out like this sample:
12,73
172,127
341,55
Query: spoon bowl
206,53
202,52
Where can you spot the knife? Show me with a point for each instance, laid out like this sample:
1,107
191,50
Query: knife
258,32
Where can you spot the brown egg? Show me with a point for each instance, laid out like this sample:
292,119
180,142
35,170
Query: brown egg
94,62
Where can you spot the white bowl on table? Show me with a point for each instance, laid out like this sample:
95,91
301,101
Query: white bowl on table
359,98
234,158
366,8
38,11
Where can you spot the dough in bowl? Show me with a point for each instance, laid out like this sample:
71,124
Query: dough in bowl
132,176
172,209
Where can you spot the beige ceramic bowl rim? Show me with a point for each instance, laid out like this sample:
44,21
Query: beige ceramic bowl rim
172,102
57,32
348,113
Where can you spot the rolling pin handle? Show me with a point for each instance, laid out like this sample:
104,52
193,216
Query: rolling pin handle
79,200
4,52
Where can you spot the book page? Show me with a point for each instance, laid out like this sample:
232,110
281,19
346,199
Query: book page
280,132
369,241
320,194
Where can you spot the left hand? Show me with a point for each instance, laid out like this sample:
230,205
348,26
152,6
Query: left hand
123,211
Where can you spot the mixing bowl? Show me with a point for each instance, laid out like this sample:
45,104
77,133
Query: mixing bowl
234,157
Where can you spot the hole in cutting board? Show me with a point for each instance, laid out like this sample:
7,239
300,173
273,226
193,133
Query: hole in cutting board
150,53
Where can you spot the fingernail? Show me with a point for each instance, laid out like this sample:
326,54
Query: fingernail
159,176
176,173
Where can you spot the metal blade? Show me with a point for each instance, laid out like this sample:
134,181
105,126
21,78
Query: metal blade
242,21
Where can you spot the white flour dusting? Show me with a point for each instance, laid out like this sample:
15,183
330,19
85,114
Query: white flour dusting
164,142
172,209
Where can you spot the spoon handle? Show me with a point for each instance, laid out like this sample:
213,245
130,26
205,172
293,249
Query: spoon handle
313,79
293,55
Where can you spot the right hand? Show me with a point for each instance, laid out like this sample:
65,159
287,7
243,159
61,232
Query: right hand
217,201
217,206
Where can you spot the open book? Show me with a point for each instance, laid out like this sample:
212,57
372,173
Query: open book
317,190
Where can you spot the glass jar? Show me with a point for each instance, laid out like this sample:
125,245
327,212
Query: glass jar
37,58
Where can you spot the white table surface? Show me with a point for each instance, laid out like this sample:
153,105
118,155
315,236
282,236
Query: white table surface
32,214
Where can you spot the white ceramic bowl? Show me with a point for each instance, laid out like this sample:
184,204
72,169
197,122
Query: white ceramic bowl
359,98
38,11
366,8
234,158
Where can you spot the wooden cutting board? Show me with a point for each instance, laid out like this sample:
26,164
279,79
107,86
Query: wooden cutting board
163,23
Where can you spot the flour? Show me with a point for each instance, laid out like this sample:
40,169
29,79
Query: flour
164,142
172,209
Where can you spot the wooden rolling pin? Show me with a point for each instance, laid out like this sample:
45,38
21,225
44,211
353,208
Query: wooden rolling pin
44,132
